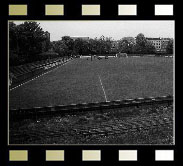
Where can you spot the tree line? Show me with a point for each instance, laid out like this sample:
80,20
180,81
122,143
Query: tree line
28,42
105,45
68,47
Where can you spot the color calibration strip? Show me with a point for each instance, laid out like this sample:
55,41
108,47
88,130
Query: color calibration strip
54,10
164,155
127,10
127,155
18,10
91,10
18,155
54,155
91,155
164,10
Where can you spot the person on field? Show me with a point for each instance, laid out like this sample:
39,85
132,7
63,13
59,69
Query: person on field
11,77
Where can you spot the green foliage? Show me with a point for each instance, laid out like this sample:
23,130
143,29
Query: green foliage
169,47
26,41
140,46
59,47
104,45
126,45
141,43
149,48
67,46
81,47
141,40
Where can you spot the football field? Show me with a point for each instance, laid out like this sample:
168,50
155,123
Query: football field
86,81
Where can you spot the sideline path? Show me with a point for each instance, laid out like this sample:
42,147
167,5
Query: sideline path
39,75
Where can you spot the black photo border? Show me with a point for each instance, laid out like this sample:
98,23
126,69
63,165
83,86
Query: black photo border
72,11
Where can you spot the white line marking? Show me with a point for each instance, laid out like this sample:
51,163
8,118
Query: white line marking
39,76
103,89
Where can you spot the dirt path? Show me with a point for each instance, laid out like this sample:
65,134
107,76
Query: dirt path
144,125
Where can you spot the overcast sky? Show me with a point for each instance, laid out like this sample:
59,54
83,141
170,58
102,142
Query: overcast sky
114,29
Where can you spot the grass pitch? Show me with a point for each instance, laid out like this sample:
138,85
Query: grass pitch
84,81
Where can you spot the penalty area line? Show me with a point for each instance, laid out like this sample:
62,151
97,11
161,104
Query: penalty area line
103,89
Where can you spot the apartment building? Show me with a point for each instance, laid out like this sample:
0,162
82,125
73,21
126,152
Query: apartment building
159,43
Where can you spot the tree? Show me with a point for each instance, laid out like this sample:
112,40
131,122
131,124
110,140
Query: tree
93,46
126,44
81,47
31,39
13,37
108,44
13,45
149,48
141,40
104,45
46,44
123,46
60,47
141,43
169,48
69,43
26,41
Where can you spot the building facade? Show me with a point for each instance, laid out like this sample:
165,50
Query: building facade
78,37
159,43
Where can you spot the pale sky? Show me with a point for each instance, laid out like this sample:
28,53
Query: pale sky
114,29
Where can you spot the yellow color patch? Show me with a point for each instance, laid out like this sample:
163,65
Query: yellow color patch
17,10
127,155
90,10
127,10
55,10
18,155
55,155
91,155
